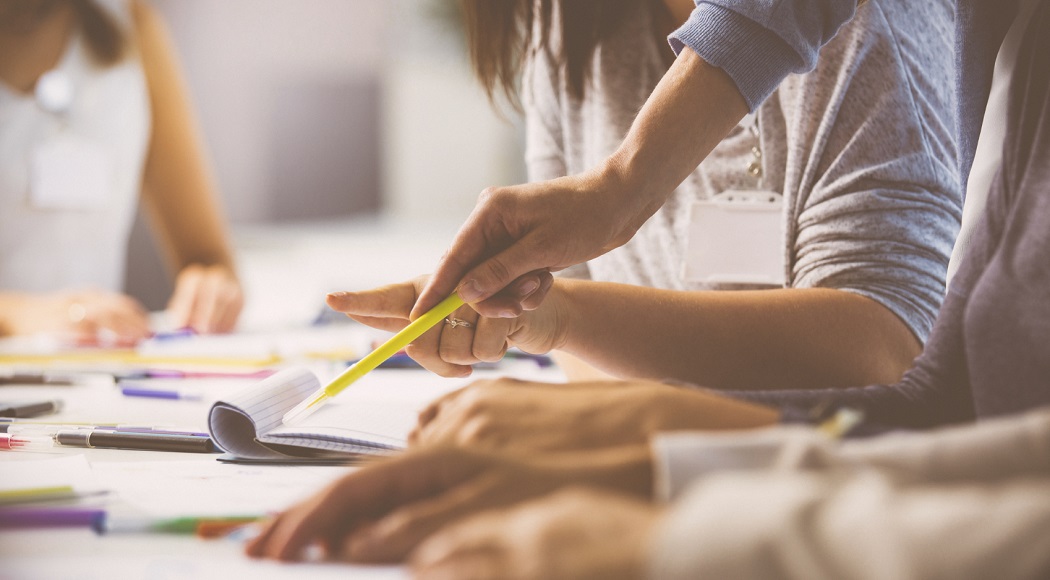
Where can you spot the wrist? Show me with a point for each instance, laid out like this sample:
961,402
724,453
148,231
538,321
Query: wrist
625,184
559,311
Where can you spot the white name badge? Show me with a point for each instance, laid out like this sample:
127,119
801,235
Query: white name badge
68,172
736,237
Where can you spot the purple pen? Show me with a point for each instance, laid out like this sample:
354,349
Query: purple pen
49,517
140,391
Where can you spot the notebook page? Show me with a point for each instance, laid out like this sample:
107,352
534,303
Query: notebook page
374,421
236,422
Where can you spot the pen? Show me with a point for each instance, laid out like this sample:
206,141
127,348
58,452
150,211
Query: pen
140,441
32,409
49,517
11,442
414,330
176,374
33,428
206,527
37,379
141,391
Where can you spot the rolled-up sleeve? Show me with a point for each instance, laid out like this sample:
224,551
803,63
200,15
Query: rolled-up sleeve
759,42
871,162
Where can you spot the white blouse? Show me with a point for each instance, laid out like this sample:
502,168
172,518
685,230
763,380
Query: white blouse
71,162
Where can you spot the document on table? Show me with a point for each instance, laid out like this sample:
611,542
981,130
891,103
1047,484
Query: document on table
248,424
33,480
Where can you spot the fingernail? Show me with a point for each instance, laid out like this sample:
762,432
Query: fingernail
338,294
508,314
470,291
528,287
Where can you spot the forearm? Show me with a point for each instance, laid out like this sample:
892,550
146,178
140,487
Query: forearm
179,191
769,339
863,526
692,109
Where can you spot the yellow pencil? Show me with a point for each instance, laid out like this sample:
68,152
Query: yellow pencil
414,330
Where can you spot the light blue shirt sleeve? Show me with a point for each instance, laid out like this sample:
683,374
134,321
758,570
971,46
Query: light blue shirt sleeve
759,42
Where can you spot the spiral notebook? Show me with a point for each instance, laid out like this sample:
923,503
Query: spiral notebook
248,424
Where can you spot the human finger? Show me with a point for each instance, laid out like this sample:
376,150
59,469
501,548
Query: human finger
120,316
234,303
473,548
390,301
457,337
207,306
392,537
496,272
187,289
481,232
491,338
439,406
226,300
426,350
364,495
534,299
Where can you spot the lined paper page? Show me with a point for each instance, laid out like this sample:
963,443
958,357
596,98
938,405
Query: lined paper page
246,422
237,422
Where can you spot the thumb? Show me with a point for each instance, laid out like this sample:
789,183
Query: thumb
393,301
499,271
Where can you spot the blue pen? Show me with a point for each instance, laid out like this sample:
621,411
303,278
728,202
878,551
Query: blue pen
184,332
140,391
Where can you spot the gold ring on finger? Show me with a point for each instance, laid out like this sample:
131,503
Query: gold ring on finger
454,322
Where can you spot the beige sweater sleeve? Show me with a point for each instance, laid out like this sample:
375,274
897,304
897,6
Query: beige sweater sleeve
963,502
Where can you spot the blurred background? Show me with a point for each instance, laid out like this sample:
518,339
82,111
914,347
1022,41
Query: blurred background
348,138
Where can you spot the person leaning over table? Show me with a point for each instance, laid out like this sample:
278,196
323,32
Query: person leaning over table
92,110
977,494
871,205
493,413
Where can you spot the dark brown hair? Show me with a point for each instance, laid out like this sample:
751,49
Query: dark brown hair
108,43
105,39
499,32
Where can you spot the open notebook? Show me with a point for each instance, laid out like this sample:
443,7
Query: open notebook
248,424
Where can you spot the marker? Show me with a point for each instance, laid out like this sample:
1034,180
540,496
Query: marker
414,330
49,517
141,391
176,374
19,410
184,332
33,428
12,442
141,441
62,379
205,527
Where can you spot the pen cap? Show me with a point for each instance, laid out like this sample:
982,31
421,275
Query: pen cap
76,438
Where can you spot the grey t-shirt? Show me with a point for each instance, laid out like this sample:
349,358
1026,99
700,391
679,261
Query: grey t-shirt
861,149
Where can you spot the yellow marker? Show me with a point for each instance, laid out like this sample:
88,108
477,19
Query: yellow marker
414,330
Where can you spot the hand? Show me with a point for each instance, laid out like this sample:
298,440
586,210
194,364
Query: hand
86,317
574,534
381,512
515,233
446,350
207,299
510,415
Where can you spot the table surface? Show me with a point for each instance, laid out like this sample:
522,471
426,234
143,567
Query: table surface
161,483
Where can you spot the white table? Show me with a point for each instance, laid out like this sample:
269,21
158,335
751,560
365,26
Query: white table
173,482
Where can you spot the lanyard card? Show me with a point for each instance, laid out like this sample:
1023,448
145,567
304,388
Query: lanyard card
70,173
736,237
